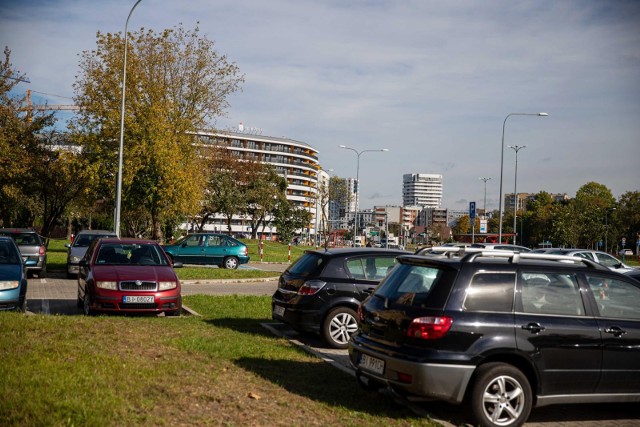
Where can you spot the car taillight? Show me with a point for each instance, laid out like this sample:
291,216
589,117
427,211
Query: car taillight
42,250
311,287
429,328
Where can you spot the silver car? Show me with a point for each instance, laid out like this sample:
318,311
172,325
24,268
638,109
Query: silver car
79,246
32,249
603,258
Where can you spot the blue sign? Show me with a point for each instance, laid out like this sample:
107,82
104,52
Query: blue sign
472,210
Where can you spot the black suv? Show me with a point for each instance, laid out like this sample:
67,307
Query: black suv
322,290
502,332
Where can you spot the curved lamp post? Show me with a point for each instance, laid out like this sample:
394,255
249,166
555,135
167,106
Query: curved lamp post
357,183
485,195
116,221
502,165
516,148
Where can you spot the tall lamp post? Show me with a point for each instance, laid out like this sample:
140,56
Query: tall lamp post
502,165
516,148
485,195
116,221
606,227
357,183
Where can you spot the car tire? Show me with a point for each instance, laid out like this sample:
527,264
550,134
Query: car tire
504,388
231,263
338,326
22,305
86,305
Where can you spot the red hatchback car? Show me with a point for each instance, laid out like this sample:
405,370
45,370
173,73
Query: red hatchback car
128,276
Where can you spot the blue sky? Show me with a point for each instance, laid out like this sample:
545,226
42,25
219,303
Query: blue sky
432,81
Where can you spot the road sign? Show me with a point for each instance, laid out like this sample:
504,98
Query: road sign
624,241
472,210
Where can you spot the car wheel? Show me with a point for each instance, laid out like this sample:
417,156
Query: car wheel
22,305
86,305
338,327
231,263
501,396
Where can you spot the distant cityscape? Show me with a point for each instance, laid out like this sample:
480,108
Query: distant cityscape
299,164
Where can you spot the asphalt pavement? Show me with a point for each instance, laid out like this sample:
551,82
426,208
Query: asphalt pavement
58,295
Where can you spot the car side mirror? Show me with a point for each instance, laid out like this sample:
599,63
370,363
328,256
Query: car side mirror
67,245
177,264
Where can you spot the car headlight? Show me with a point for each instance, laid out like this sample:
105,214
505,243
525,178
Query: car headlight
163,286
74,259
107,285
9,284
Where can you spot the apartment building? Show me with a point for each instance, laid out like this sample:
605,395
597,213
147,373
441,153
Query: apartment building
422,189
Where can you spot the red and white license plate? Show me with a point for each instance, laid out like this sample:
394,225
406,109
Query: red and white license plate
372,364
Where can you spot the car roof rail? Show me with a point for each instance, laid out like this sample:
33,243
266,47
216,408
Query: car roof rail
515,257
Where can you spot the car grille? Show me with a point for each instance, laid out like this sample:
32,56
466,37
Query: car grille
137,285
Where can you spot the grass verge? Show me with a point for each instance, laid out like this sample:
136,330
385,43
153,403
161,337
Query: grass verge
219,369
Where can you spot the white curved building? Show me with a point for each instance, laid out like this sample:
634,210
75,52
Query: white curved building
296,161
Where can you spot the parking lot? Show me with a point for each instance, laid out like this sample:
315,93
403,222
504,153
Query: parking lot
57,295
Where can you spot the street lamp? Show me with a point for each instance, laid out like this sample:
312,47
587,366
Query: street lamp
485,195
357,183
502,165
516,148
606,227
116,221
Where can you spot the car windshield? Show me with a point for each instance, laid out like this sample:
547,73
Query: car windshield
410,284
306,265
8,253
130,254
24,239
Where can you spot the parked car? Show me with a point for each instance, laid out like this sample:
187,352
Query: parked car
13,280
78,248
32,249
209,249
635,273
128,276
321,291
501,332
600,257
625,252
501,247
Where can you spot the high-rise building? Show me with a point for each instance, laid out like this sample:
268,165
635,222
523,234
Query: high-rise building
422,189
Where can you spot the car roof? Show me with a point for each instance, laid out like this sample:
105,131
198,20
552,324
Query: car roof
128,240
356,251
18,230
96,232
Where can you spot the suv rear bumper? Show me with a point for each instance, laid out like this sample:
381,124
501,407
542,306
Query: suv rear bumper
447,382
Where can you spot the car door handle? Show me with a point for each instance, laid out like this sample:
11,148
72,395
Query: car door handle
615,331
534,328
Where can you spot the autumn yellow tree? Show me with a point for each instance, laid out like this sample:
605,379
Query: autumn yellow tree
176,82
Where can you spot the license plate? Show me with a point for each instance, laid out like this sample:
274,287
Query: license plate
372,364
278,310
132,299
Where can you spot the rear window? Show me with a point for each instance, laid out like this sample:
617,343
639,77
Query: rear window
306,265
24,239
410,284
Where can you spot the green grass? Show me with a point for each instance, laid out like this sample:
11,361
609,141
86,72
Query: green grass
219,369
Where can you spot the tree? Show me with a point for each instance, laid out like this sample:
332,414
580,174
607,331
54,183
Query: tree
264,189
176,82
290,218
591,201
627,218
538,219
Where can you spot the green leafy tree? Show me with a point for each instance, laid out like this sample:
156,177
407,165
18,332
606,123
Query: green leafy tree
626,219
176,82
538,219
264,189
591,201
290,218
